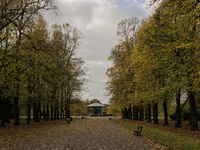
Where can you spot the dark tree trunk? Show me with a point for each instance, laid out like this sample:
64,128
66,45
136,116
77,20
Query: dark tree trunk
129,113
44,113
52,112
190,120
155,110
133,112
194,115
149,113
141,113
61,112
165,112
39,110
7,111
37,113
16,110
47,113
146,113
135,108
178,109
34,110
68,114
55,113
65,112
123,113
2,113
29,111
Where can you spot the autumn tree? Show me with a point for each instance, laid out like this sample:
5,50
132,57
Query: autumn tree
120,75
38,66
182,49
17,16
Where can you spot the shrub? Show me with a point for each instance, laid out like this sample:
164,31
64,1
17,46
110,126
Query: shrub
185,115
173,116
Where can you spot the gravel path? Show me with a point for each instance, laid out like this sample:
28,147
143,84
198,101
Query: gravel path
85,134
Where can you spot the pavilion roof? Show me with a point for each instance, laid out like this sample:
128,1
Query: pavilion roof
96,105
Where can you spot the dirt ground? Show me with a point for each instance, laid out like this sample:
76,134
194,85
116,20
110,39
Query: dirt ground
91,133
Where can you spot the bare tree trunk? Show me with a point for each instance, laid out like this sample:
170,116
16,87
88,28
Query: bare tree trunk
2,113
178,109
135,109
141,113
123,113
61,112
39,110
155,108
129,113
165,112
29,111
34,109
194,117
16,110
44,112
37,113
47,113
149,113
52,113
55,113
68,114
7,110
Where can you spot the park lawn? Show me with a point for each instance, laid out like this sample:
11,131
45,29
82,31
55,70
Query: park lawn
166,138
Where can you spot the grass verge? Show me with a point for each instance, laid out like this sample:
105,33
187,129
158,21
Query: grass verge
166,138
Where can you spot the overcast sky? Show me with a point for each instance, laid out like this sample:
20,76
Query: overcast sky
97,20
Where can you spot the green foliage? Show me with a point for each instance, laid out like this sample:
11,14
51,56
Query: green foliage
94,101
114,109
78,107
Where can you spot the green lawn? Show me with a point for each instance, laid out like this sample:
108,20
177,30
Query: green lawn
168,139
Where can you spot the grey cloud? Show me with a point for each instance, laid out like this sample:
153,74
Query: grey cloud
97,20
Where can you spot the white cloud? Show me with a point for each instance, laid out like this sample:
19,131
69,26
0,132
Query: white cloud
97,20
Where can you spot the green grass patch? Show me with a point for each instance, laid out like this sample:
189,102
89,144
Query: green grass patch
166,138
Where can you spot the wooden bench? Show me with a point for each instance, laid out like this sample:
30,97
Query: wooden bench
138,131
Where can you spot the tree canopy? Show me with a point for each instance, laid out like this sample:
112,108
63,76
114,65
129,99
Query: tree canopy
39,68
158,62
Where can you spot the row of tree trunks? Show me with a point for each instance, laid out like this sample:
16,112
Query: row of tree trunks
37,112
137,113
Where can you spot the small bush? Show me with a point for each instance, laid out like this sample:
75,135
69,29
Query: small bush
173,116
185,115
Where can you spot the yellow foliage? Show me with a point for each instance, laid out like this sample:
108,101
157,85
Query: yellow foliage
114,109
